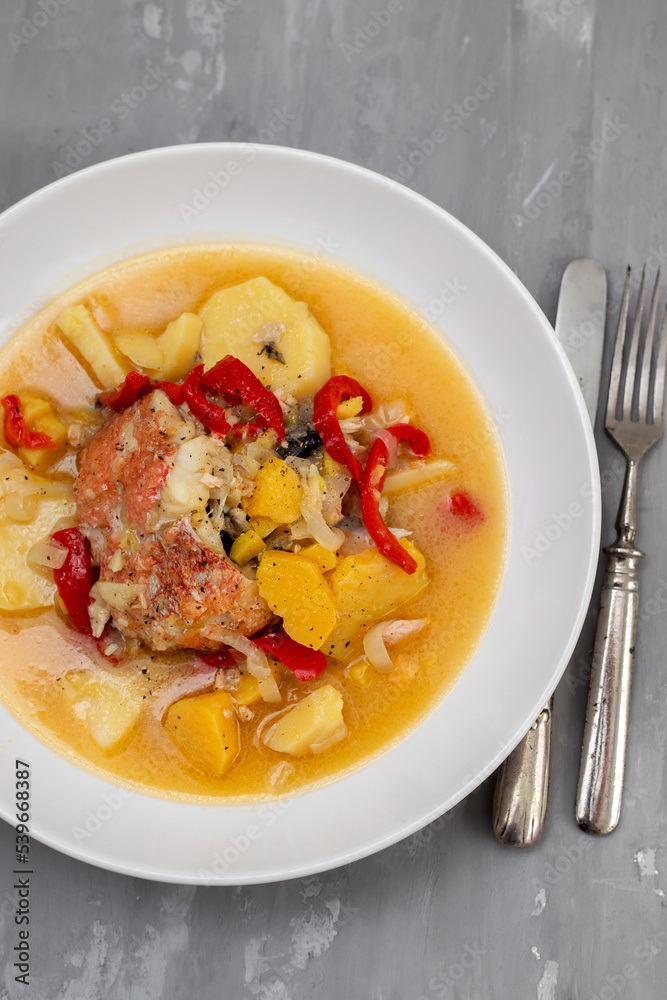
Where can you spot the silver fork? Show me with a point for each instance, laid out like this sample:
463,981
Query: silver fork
600,788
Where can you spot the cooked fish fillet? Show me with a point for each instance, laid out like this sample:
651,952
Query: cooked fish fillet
141,477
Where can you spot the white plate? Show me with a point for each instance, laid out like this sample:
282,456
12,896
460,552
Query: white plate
228,191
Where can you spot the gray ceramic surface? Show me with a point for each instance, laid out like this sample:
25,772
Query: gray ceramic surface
541,125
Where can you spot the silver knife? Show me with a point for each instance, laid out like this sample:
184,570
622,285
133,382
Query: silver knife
522,783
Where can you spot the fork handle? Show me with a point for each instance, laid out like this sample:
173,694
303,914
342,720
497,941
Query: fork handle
602,766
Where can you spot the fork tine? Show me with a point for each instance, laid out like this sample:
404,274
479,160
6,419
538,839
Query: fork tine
614,381
645,375
626,411
659,389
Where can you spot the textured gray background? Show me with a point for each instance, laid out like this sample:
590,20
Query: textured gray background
564,156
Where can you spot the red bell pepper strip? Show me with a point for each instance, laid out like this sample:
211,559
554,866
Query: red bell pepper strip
221,658
461,505
418,440
173,390
326,402
211,415
75,577
371,493
128,392
306,664
16,432
235,380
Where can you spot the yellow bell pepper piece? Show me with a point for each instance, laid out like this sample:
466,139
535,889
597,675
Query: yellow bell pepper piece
277,493
295,589
205,729
39,416
246,547
350,408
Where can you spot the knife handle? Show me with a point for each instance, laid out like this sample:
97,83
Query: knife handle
522,786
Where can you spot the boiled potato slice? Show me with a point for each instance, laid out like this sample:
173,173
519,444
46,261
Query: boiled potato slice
313,725
234,315
108,705
179,345
142,349
79,327
295,589
21,587
205,729
366,587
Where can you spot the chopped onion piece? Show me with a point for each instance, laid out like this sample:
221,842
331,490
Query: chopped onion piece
390,442
51,555
400,532
21,506
388,632
9,462
375,649
258,665
313,524
184,687
399,629
269,689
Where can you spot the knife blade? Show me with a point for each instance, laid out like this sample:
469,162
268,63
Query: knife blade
522,784
580,321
